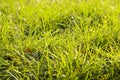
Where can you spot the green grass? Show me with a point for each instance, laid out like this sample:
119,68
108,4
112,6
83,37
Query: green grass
59,39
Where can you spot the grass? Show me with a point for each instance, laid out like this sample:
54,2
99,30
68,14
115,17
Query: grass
59,40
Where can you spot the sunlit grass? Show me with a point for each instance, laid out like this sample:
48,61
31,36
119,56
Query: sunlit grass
59,40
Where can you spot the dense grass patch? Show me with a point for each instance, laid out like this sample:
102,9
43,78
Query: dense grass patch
59,40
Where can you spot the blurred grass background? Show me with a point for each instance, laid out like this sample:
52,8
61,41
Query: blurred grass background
59,40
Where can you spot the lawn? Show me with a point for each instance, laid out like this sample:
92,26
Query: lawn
59,39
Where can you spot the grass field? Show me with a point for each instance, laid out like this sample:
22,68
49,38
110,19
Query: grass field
59,39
